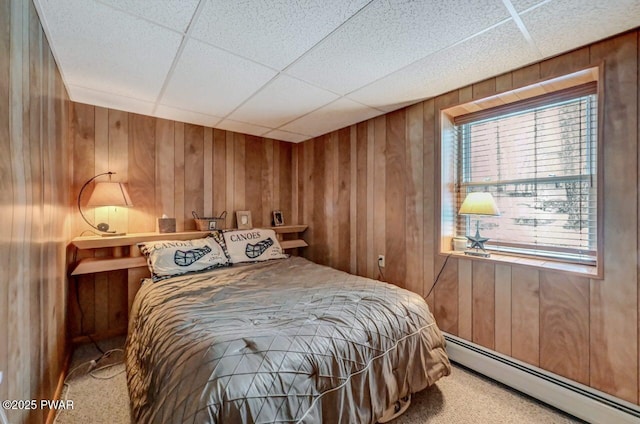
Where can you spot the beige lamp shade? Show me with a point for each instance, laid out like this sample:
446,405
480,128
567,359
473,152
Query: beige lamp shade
110,194
479,203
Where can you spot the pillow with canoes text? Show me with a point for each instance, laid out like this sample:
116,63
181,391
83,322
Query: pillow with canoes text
168,258
256,245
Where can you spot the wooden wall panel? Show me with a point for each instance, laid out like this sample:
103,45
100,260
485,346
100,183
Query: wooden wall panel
268,180
118,151
371,256
284,190
179,178
414,180
318,205
525,315
239,172
445,294
483,319
353,201
564,319
34,193
395,228
503,309
513,309
165,168
563,64
82,138
207,164
343,200
141,177
614,299
307,186
465,299
193,174
254,154
362,250
328,202
219,174
379,168
428,194
171,168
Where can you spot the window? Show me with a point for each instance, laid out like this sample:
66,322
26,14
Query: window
538,158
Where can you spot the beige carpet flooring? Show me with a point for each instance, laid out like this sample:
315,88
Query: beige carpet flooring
462,397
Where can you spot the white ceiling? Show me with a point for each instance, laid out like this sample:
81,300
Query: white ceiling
296,69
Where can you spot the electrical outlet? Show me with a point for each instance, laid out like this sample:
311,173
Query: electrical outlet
381,261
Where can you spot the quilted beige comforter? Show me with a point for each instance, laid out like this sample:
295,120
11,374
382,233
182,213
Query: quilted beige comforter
280,341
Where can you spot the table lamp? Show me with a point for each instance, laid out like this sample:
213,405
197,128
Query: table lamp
105,193
482,204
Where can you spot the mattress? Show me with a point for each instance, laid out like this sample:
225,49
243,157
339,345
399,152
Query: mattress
279,341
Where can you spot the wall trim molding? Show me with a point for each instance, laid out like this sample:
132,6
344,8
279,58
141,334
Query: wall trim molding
51,416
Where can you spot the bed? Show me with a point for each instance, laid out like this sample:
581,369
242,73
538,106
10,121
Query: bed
284,340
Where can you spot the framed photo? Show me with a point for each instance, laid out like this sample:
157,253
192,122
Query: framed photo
278,220
244,220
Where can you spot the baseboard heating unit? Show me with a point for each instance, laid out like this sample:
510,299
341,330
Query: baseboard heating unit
574,398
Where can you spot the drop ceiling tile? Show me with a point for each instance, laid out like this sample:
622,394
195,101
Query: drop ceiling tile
488,54
522,5
286,136
104,49
589,20
242,127
387,36
339,114
282,100
211,81
274,33
175,14
181,115
109,100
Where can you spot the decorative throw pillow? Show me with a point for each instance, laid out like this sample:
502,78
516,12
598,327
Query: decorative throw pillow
252,245
168,258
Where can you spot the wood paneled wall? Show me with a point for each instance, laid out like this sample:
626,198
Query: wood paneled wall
34,210
373,189
171,168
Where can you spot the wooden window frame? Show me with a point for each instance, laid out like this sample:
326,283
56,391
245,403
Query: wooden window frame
555,89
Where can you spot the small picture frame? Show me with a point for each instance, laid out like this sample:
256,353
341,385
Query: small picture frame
212,224
244,220
278,220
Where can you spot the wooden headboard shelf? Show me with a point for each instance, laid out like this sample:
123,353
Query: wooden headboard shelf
284,231
118,260
93,265
98,242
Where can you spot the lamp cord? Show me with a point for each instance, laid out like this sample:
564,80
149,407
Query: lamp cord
434,283
380,273
438,276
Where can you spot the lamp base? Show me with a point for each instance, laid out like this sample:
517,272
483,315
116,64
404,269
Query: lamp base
477,253
112,234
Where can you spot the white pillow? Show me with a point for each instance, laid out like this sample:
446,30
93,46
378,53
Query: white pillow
252,245
167,258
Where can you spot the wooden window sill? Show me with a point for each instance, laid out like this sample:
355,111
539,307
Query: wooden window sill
582,270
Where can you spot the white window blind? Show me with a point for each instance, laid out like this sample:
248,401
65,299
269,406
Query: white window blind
538,159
